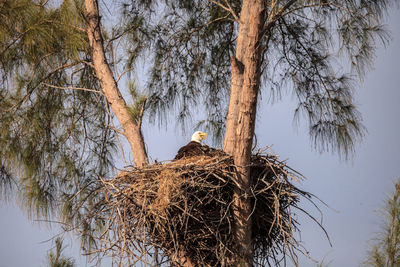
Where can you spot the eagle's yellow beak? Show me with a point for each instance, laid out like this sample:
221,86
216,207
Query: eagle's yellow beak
203,135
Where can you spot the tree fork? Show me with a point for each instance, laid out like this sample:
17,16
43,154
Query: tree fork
131,129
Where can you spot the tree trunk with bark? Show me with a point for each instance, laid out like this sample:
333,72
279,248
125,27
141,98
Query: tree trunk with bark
233,109
131,128
245,84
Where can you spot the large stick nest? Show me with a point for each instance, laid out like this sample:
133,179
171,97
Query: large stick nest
182,210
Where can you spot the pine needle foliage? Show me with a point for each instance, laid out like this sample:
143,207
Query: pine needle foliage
54,138
136,109
386,251
192,49
315,49
56,259
56,142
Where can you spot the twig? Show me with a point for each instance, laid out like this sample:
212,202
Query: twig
229,8
72,88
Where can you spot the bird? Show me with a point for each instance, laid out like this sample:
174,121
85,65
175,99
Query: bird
194,147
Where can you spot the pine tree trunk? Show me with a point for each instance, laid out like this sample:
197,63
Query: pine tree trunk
131,129
236,84
233,109
241,119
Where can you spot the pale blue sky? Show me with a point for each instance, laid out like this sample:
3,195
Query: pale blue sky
353,189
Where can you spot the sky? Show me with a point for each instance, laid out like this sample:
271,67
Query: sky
353,190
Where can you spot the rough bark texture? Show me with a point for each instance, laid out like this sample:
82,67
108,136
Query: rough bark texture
233,109
241,119
237,69
131,128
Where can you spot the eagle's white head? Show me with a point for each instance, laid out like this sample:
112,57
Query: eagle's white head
198,136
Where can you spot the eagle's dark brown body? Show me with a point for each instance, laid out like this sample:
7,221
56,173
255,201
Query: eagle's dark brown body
196,149
192,149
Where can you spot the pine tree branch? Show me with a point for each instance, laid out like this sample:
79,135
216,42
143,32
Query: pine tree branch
312,62
314,5
72,88
207,24
229,8
42,4
79,29
88,63
14,41
28,94
273,17
123,73
109,86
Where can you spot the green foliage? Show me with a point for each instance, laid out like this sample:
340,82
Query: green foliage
55,142
139,101
386,251
193,43
55,259
6,183
32,35
315,49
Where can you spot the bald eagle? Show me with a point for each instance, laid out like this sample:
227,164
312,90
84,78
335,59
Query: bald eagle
194,148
